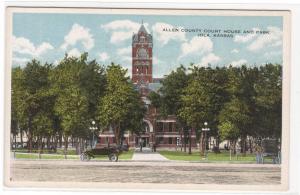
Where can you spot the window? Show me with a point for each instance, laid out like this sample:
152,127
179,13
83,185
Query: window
170,140
142,39
161,140
159,126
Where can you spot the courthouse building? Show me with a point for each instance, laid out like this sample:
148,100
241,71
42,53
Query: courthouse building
161,131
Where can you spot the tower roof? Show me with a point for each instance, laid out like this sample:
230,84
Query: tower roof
143,29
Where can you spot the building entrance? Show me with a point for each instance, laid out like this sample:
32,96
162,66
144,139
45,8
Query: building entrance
144,140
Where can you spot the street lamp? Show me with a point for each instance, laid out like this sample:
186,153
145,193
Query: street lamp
205,129
93,128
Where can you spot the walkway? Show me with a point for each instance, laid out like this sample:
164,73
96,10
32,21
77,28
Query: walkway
147,155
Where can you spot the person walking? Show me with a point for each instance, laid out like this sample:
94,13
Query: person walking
141,144
259,154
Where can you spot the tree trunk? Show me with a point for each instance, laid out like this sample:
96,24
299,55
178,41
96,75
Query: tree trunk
202,143
243,144
250,145
48,142
117,136
55,143
181,139
66,146
190,142
76,145
184,141
29,143
72,141
217,143
21,137
39,146
234,147
60,140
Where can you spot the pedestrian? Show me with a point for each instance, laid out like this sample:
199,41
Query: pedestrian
141,144
259,154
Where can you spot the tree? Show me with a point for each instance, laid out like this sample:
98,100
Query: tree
241,90
72,103
170,101
196,101
119,102
17,116
233,119
268,87
30,96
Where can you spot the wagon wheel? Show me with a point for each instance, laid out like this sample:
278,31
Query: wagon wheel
84,157
113,157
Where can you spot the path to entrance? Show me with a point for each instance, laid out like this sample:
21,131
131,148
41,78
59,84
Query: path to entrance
147,155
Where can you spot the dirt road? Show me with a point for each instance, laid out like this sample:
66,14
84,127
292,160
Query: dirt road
145,172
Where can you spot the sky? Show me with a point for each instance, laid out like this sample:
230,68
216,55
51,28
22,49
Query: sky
107,38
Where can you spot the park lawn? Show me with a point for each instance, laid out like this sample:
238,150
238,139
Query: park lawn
43,156
124,156
224,156
59,151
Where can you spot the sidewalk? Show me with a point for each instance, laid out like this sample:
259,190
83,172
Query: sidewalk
147,155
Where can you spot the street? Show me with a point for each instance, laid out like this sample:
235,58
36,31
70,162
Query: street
171,172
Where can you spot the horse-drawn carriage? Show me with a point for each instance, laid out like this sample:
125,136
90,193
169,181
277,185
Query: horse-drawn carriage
112,152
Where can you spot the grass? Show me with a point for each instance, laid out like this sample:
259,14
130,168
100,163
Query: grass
124,156
211,157
70,151
43,156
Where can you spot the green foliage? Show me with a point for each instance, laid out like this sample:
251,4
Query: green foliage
52,100
155,99
121,105
196,99
171,90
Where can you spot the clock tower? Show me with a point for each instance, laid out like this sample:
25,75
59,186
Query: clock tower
142,57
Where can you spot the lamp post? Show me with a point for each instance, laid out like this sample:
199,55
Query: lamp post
205,129
93,128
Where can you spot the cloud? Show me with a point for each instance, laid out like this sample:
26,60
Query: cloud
124,51
273,39
22,45
273,53
79,34
211,58
234,51
238,63
20,61
103,56
163,36
122,30
246,38
74,53
197,45
56,62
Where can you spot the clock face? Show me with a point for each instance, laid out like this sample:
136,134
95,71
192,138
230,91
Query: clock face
142,53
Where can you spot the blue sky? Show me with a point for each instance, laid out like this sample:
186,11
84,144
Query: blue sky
107,38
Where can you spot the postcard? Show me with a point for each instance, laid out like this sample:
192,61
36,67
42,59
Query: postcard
147,99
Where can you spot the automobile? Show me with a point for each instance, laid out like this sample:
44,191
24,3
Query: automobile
112,152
